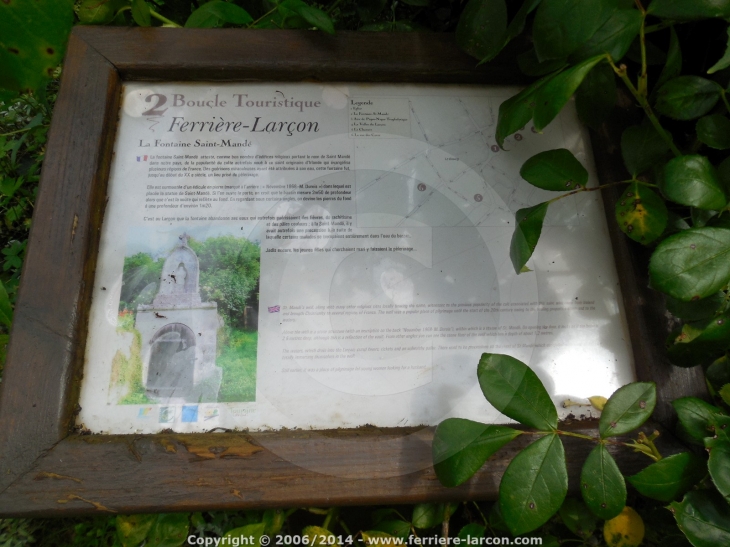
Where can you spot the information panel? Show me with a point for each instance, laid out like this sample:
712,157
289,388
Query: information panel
310,256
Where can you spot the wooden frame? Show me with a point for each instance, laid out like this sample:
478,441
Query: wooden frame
47,468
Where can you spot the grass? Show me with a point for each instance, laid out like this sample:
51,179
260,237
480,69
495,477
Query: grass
127,371
237,358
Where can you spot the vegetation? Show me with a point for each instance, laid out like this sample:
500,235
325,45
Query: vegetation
668,55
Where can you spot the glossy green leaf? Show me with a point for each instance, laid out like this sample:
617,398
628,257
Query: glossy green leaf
562,26
718,373
141,13
714,131
557,170
243,535
673,65
530,65
273,520
515,112
576,516
318,536
694,417
628,408
692,264
534,485
6,308
687,97
97,12
514,389
133,529
700,342
469,531
720,424
314,16
670,477
395,528
460,447
427,515
169,530
695,310
724,393
517,25
527,233
213,13
481,28
719,467
724,61
641,213
688,10
642,148
602,484
704,517
693,180
555,93
596,96
614,37
701,217
33,36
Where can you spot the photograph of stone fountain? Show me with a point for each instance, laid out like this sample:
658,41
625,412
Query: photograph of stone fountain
189,315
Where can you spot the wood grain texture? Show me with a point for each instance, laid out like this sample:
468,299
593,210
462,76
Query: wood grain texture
45,470
126,474
49,328
648,324
234,54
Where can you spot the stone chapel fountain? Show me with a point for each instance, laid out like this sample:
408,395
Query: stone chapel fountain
179,335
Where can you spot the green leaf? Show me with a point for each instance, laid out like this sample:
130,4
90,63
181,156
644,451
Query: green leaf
213,13
314,16
6,308
596,96
577,518
693,180
699,342
34,36
562,26
132,529
614,37
481,28
718,373
551,97
97,12
704,517
237,535
642,148
688,10
472,530
141,13
687,97
515,112
530,65
714,131
517,25
628,408
641,214
557,170
692,264
318,536
377,538
673,65
527,233
395,528
427,515
169,530
670,477
724,61
273,520
719,467
534,485
460,447
514,389
694,417
602,484
696,309
701,217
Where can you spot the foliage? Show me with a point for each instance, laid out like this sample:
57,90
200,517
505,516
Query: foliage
237,358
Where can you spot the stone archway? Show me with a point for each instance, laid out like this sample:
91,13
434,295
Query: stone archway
172,361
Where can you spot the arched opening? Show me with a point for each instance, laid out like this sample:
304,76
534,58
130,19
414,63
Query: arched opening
172,361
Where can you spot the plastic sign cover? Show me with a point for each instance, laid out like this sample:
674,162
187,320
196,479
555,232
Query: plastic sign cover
310,256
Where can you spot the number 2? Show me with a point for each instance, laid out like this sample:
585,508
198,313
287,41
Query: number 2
155,110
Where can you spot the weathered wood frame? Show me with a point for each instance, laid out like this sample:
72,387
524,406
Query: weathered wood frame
48,468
